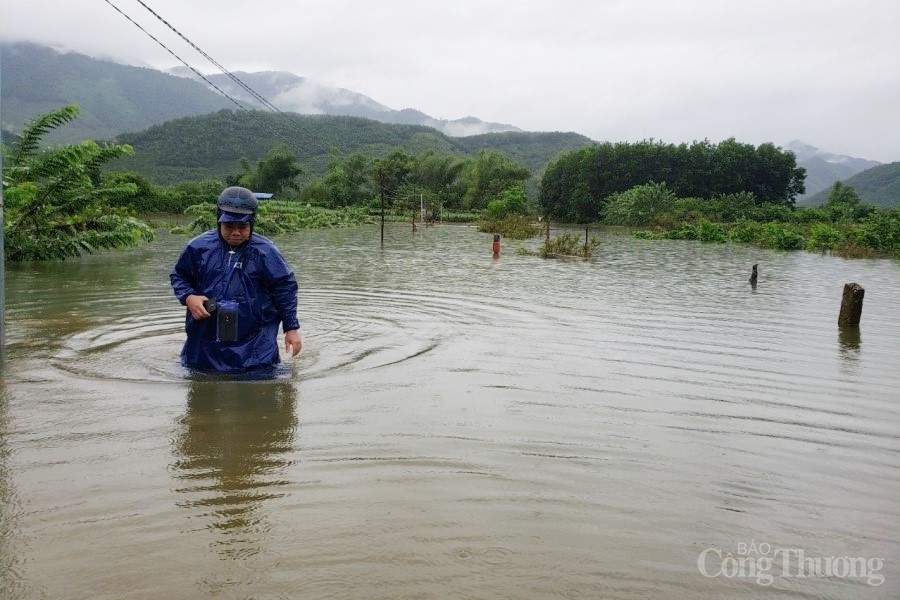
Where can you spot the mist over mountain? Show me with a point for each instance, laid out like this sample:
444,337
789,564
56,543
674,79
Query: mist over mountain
805,152
292,93
824,168
878,186
116,99
113,98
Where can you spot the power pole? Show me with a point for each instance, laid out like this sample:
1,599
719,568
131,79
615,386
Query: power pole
381,188
2,276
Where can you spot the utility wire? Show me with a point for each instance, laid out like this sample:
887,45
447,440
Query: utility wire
230,75
198,73
258,97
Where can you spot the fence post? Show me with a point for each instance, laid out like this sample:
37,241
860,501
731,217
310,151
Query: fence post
851,304
2,279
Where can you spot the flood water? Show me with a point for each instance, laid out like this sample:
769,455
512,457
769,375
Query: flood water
640,425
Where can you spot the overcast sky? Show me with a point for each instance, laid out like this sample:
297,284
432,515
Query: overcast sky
826,72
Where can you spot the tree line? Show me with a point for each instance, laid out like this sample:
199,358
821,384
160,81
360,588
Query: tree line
209,146
398,180
66,200
578,185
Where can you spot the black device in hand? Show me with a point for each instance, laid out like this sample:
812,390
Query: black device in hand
210,305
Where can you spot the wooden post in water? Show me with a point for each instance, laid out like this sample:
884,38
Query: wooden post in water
851,304
2,280
381,188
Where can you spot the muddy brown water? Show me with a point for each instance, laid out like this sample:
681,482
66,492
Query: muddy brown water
640,425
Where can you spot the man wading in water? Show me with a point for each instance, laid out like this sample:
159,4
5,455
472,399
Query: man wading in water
237,289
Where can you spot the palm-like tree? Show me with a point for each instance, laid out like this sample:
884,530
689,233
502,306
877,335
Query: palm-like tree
56,203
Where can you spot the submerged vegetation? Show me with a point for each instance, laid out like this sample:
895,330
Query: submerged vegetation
64,201
277,217
514,227
568,245
843,225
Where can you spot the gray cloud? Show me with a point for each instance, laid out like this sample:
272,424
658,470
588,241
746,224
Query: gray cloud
823,71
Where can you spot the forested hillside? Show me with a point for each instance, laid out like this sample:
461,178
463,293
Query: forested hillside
113,98
823,168
879,186
116,98
211,146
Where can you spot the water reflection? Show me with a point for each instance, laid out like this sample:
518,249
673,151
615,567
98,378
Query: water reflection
512,429
235,440
849,341
849,338
11,580
79,301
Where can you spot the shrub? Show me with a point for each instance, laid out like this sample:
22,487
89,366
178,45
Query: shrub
514,227
639,205
685,232
823,237
811,215
746,232
765,213
511,201
276,217
568,244
780,237
709,232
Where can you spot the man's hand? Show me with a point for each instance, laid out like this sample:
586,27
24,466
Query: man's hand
292,342
194,303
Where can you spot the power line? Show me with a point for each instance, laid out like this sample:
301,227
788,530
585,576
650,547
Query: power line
230,75
196,72
258,97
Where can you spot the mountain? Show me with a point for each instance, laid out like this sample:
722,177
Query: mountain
116,98
211,146
113,98
824,168
292,93
879,186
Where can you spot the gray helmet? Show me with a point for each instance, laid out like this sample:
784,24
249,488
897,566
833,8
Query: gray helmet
237,200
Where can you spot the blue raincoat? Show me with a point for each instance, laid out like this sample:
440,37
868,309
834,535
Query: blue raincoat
255,275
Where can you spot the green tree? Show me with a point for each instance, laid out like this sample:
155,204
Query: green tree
276,172
390,173
440,175
146,197
640,205
56,203
775,177
316,193
511,201
348,181
578,184
560,179
844,204
489,175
